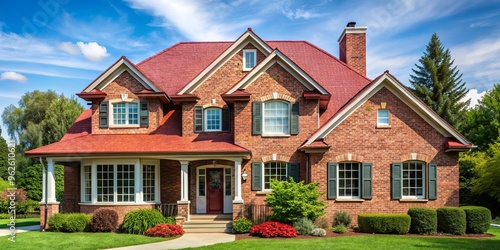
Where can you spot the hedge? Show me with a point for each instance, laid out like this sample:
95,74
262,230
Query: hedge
74,222
138,221
384,223
423,220
451,220
478,219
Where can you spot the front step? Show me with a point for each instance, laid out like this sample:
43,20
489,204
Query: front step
208,223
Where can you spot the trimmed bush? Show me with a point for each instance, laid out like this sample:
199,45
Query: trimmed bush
342,218
56,222
170,220
321,223
340,229
270,229
384,223
423,220
242,225
304,226
138,221
320,232
451,220
478,219
104,220
77,222
164,230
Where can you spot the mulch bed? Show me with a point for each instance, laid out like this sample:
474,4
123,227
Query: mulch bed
351,232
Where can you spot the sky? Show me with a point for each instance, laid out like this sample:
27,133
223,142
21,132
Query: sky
63,45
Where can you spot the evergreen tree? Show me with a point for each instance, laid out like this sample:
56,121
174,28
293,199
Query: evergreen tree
438,83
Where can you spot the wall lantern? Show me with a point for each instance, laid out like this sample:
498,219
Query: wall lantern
244,176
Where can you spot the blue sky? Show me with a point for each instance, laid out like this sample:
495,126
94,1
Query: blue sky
64,44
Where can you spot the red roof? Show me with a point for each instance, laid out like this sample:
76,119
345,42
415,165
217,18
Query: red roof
82,126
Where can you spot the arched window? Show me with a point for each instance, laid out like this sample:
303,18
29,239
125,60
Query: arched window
213,119
276,117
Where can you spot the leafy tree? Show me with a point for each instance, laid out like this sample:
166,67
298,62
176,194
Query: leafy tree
32,178
4,151
438,83
291,201
488,174
59,117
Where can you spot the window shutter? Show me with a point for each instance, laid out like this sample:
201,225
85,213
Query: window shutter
198,118
294,119
432,172
293,170
144,114
366,180
256,176
226,119
396,181
103,114
257,118
332,180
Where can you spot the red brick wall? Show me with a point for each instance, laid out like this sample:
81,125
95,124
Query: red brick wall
122,210
72,189
170,181
352,51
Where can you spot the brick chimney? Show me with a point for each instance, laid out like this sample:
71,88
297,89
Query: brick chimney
352,47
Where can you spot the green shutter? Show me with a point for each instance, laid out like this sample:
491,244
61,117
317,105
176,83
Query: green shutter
198,118
396,182
432,172
332,180
256,176
144,114
226,119
103,114
293,170
257,118
366,180
294,119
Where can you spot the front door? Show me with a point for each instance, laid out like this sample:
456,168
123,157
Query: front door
215,188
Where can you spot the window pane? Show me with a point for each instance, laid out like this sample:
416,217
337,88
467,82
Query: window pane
125,113
87,176
348,179
276,117
249,59
125,182
413,179
274,170
383,117
148,183
105,183
213,119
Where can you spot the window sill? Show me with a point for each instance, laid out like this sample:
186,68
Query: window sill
124,126
277,135
354,200
384,126
117,204
264,192
410,200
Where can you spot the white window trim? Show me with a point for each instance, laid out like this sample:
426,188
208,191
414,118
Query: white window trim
111,118
205,119
254,51
359,181
264,133
388,124
424,181
264,189
137,180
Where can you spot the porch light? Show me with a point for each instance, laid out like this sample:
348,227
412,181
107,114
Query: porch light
244,176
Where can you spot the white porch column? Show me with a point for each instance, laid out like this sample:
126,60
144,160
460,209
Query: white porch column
237,181
51,182
184,181
44,177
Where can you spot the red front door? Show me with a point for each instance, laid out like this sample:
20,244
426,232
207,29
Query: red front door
215,188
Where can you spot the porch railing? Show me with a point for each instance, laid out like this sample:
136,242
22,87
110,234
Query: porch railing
169,209
256,213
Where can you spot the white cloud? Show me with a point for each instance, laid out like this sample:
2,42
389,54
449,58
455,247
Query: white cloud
300,13
13,76
92,51
474,97
69,48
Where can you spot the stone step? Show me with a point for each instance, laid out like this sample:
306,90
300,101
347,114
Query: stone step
209,223
211,217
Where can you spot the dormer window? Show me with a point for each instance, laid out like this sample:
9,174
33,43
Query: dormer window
249,59
129,113
125,113
213,119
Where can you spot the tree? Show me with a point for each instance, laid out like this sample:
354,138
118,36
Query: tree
31,181
59,117
438,83
4,164
488,174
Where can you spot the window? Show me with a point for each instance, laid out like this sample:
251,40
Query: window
249,59
125,185
125,113
413,179
228,181
105,183
116,113
276,118
87,179
410,180
383,117
349,180
263,173
213,119
148,183
201,182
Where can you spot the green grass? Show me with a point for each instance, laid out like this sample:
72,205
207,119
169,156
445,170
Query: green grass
366,242
20,222
68,241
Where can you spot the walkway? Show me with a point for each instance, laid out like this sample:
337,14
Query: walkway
6,231
187,240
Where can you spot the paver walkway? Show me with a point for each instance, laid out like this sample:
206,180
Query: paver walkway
6,231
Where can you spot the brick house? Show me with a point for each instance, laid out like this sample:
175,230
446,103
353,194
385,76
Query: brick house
206,125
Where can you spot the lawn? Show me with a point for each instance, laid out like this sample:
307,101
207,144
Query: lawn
365,242
67,241
20,222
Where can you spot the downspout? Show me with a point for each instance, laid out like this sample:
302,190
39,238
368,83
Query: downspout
307,169
46,198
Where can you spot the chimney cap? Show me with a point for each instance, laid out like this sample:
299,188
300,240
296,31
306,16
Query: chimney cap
351,24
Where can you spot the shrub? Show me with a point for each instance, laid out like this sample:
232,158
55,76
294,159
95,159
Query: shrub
321,223
478,219
242,225
423,220
164,230
77,222
320,232
104,220
451,220
170,220
19,194
56,222
291,201
273,229
342,218
304,226
138,221
340,229
384,223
